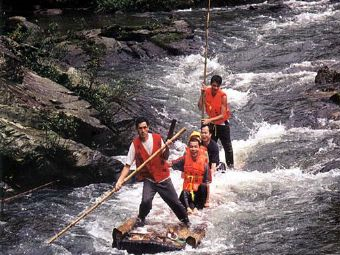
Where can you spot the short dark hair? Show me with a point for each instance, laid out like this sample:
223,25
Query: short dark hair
141,120
195,139
209,127
217,79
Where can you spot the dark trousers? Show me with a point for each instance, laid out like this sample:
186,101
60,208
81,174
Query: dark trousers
222,132
168,193
198,200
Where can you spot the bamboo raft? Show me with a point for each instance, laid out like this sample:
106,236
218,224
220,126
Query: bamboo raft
156,237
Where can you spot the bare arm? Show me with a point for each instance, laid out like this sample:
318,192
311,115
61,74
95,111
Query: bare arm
200,103
125,171
178,164
213,169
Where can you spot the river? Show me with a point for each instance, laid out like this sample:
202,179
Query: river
276,200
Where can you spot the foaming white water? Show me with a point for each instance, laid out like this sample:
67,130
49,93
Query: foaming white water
236,196
242,80
227,185
299,21
306,5
234,42
311,133
263,133
187,81
237,98
189,72
333,124
252,81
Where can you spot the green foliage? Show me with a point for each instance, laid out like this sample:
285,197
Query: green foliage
162,39
19,34
96,53
39,53
63,125
43,54
113,5
101,97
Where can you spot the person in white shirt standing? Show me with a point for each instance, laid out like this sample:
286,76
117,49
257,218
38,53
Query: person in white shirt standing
155,175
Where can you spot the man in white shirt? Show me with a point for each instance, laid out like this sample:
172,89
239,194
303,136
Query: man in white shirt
155,175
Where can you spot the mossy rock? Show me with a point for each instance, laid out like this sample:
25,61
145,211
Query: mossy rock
138,31
165,40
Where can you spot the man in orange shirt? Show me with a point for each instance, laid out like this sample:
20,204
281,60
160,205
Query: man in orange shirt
216,106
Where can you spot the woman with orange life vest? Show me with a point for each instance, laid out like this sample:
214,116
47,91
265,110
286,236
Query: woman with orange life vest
155,175
195,168
216,106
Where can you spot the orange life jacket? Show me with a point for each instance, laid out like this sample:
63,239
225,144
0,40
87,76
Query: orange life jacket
157,169
213,105
194,170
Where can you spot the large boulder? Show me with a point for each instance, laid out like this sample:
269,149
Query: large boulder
152,39
326,76
22,30
33,156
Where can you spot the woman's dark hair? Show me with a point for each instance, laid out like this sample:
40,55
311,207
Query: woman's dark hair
140,120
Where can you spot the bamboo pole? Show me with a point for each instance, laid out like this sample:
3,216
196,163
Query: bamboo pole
107,194
2,184
29,191
206,42
205,56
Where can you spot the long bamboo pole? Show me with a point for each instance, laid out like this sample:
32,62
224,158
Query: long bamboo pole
107,194
29,191
205,56
2,184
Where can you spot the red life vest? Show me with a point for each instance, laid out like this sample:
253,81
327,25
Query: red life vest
194,170
213,105
157,169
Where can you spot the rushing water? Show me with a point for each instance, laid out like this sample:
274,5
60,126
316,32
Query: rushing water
276,201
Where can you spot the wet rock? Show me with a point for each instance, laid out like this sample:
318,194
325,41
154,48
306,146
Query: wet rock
45,93
152,39
48,12
335,98
75,56
39,154
327,76
35,158
330,166
21,28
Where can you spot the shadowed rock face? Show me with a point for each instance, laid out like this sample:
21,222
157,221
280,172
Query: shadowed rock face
49,153
143,41
47,130
32,152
